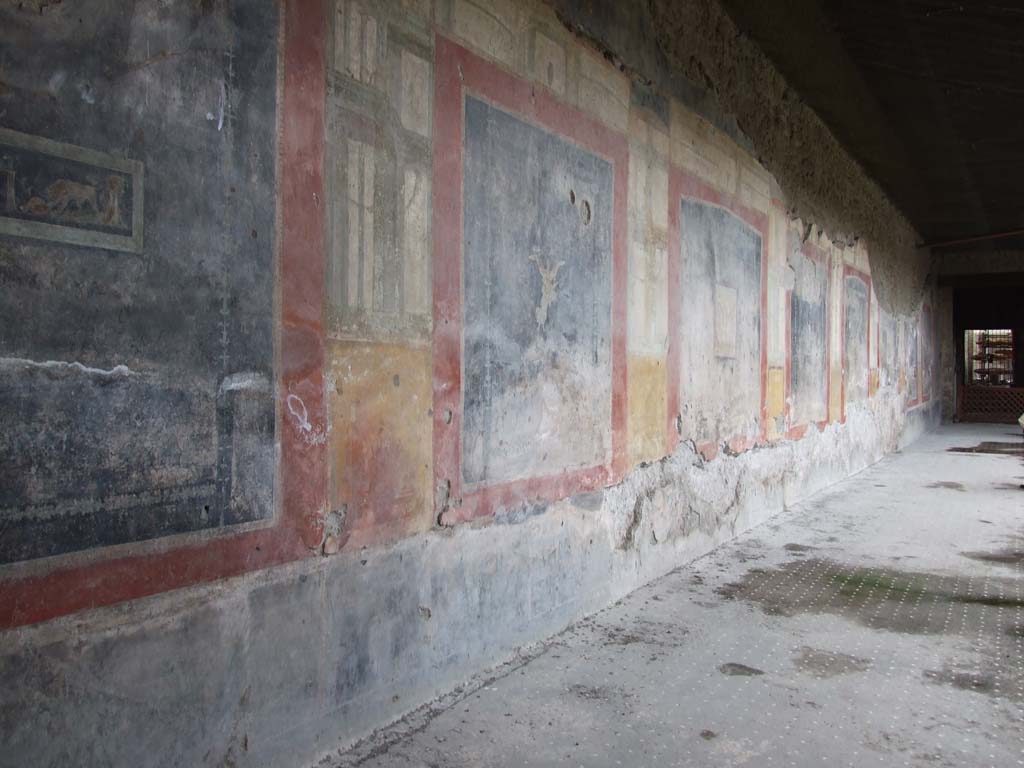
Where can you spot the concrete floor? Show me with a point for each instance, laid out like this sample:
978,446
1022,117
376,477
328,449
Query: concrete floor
880,623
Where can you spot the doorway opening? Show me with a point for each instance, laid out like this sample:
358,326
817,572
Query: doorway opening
988,392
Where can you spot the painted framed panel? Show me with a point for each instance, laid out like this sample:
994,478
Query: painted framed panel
856,336
927,367
378,144
808,390
255,490
54,191
912,358
717,357
529,292
158,394
888,342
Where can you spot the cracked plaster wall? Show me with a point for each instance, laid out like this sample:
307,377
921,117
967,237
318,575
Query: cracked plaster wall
293,662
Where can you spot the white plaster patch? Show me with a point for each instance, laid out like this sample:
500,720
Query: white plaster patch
62,368
415,90
416,244
246,380
360,259
487,24
604,91
725,321
549,62
658,198
356,49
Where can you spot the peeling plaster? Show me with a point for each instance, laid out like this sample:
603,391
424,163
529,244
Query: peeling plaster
683,494
246,380
62,368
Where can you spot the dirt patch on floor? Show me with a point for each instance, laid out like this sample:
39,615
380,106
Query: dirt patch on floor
823,664
887,599
591,692
734,669
659,633
948,484
1010,556
979,682
1008,486
997,449
907,602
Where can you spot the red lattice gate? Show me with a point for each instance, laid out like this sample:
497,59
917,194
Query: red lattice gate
995,404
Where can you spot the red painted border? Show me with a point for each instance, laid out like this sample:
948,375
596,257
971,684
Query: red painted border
302,489
787,390
683,184
913,403
797,431
456,71
878,335
849,271
922,329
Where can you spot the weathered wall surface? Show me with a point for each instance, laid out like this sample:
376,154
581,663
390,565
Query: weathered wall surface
720,281
809,332
136,366
451,329
833,192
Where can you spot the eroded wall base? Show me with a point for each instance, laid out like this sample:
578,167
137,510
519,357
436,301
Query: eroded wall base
291,664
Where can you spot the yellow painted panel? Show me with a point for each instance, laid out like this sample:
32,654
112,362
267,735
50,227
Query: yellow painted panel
380,397
776,392
647,393
775,404
835,399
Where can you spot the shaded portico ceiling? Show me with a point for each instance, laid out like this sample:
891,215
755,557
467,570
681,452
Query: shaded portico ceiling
927,95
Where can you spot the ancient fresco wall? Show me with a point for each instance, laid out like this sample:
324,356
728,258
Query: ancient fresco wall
137,231
911,359
378,296
856,319
889,354
507,273
720,293
647,303
809,333
300,289
537,279
928,357
532,371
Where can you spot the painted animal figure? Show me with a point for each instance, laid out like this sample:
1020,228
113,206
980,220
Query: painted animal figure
64,193
61,195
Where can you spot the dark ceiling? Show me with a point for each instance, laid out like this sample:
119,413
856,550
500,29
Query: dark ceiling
927,95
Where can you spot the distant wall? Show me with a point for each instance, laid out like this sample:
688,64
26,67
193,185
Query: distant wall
978,289
360,343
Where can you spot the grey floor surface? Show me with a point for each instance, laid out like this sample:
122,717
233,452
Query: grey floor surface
879,624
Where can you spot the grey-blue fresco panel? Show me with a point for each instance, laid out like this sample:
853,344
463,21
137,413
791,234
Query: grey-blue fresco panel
537,292
720,324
